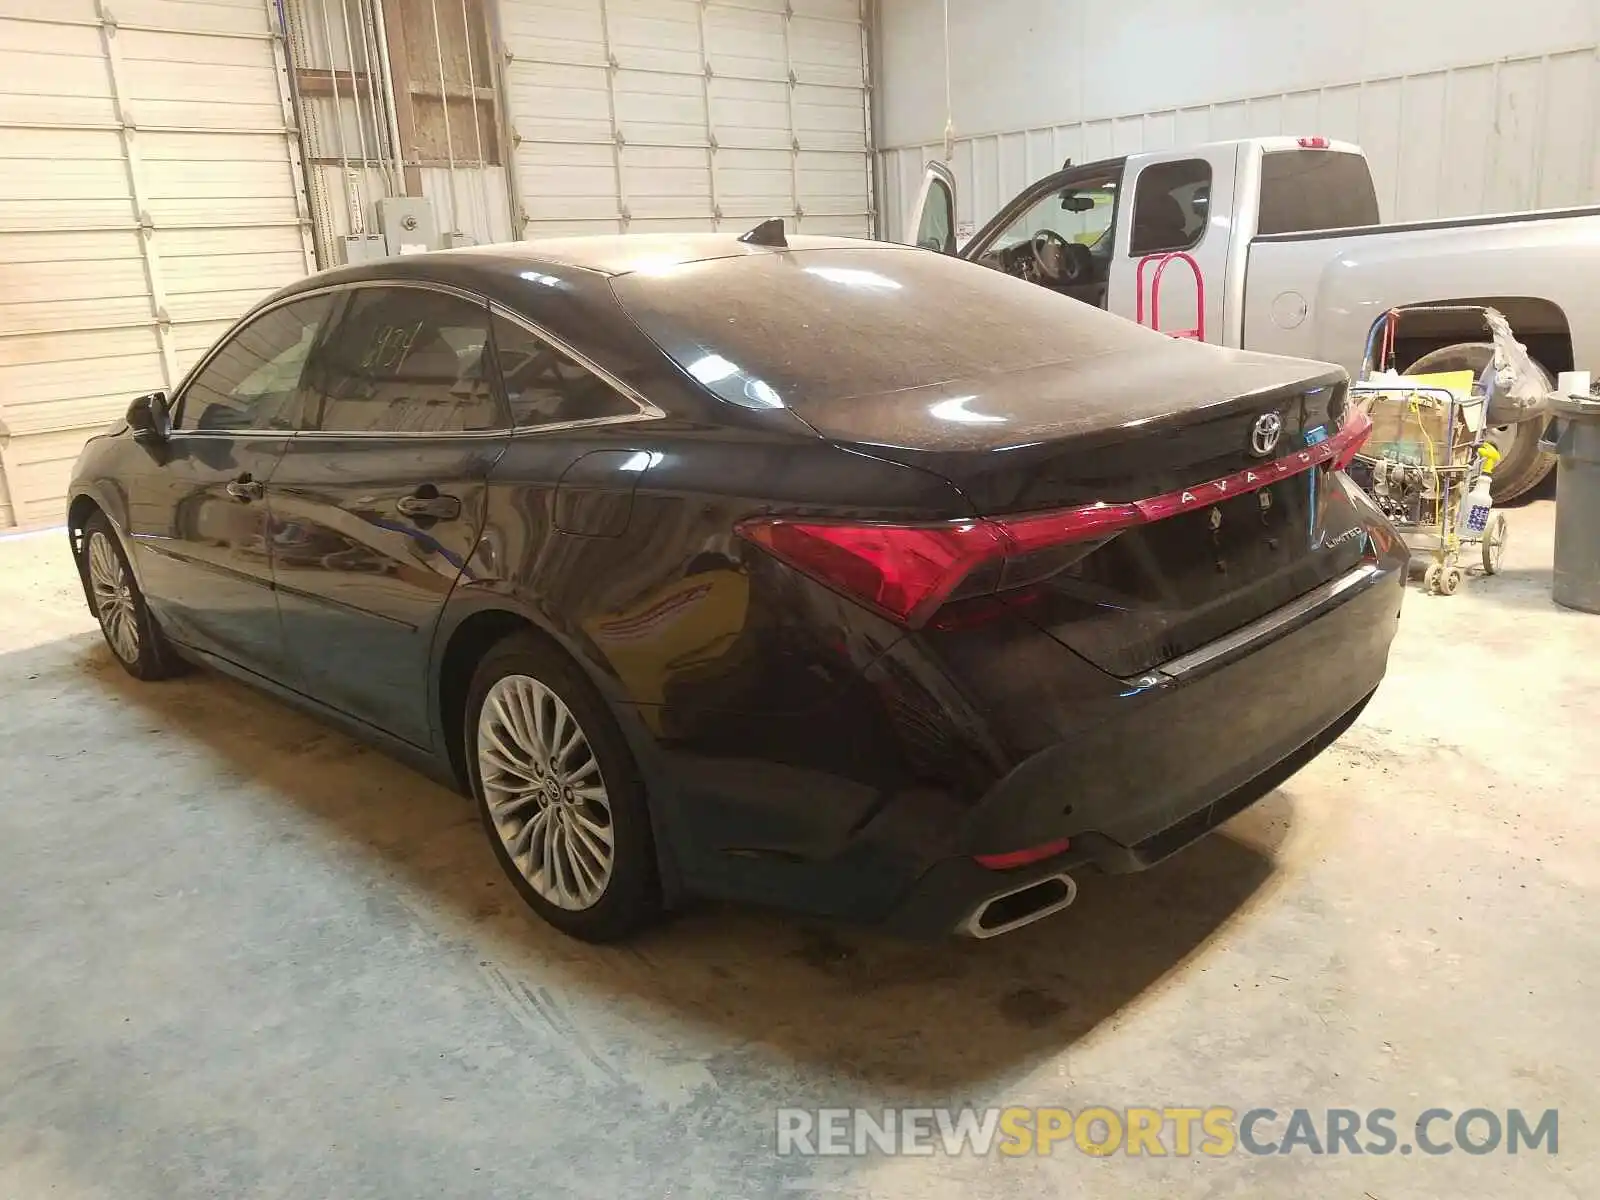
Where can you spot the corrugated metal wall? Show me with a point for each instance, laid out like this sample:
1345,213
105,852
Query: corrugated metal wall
1463,108
149,192
635,115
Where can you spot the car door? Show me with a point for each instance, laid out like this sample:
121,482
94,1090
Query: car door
199,520
380,499
1181,204
931,221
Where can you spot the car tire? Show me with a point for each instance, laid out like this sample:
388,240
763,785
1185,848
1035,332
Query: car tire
1523,465
570,829
131,632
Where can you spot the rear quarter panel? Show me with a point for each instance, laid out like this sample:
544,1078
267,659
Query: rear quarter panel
1317,296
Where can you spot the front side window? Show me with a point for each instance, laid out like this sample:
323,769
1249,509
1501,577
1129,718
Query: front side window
406,360
546,387
253,381
1170,204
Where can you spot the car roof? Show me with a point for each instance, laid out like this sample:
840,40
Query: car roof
624,253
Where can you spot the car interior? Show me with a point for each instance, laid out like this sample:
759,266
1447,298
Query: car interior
1063,240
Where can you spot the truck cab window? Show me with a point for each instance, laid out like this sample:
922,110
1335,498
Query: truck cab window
1307,190
1170,204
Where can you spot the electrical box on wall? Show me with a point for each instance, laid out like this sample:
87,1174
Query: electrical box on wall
409,226
364,247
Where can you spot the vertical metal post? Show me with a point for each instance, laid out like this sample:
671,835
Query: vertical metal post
444,104
141,196
711,133
867,41
612,66
375,90
396,94
794,126
361,123
500,59
477,129
338,115
296,133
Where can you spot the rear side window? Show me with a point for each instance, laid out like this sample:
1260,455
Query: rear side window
1170,204
406,360
1307,190
545,386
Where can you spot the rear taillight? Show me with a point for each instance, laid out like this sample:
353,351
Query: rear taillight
1313,143
1354,430
907,572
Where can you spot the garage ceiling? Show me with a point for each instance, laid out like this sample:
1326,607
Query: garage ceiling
149,193
636,115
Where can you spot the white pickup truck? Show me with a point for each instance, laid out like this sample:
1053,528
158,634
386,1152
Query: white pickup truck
1290,257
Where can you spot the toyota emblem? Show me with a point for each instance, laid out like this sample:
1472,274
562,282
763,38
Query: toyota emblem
1264,434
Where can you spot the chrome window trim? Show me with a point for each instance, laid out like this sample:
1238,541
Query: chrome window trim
647,410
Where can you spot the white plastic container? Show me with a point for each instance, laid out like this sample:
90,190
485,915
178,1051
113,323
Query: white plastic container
1476,506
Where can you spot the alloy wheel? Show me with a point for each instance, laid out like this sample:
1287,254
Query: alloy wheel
545,793
113,598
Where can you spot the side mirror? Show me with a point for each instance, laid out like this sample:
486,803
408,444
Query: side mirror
149,419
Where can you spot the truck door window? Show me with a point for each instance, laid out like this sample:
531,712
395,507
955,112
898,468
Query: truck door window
1307,190
1170,204
937,230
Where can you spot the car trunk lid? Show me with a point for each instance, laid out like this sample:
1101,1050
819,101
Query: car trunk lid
1223,458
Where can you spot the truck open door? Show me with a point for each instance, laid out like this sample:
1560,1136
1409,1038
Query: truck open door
931,220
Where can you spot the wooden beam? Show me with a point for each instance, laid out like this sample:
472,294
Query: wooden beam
317,82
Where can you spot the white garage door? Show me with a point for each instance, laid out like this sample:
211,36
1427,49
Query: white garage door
638,115
149,193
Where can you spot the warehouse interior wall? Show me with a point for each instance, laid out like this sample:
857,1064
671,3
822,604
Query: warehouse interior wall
1463,106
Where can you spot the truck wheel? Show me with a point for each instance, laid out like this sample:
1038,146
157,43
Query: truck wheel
1523,465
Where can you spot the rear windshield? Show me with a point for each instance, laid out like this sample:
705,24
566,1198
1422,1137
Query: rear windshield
1306,190
778,330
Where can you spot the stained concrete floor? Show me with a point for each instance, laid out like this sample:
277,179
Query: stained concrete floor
241,955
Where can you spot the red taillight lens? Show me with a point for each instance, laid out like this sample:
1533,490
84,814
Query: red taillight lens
1021,858
908,571
1313,143
1353,433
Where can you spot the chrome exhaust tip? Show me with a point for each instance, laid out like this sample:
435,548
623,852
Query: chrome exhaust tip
1020,906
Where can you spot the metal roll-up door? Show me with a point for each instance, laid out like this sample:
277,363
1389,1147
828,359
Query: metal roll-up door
150,192
639,115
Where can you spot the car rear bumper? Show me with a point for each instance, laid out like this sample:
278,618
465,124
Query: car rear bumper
1185,752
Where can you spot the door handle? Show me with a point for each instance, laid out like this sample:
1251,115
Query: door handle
244,489
427,504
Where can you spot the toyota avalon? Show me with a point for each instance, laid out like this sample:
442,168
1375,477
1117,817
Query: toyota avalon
840,576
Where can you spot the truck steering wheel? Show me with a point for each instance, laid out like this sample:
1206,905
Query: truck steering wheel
1058,260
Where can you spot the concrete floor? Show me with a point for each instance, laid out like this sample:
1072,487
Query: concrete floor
241,955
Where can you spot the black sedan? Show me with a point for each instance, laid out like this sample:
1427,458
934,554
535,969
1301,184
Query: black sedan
842,576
